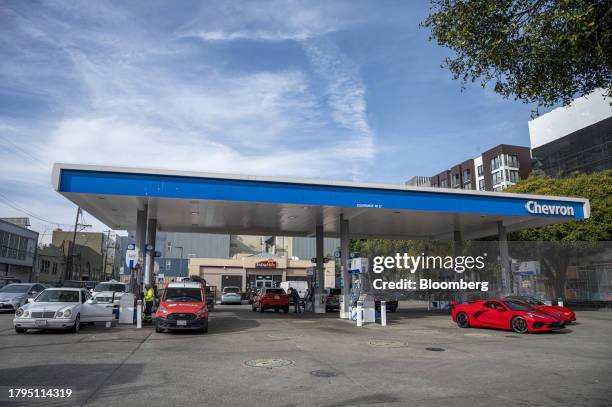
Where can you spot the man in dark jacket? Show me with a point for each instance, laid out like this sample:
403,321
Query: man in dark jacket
295,297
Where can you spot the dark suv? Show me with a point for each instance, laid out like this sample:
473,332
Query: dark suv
332,303
390,303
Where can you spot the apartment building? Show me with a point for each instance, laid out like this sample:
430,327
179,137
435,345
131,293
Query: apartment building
494,170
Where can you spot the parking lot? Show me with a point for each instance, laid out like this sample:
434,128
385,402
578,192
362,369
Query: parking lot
276,359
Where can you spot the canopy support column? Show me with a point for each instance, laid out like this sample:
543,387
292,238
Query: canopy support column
346,277
141,234
150,253
504,259
319,298
458,249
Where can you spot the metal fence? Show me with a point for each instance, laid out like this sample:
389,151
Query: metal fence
578,273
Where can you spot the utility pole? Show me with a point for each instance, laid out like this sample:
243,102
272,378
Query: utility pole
105,255
70,259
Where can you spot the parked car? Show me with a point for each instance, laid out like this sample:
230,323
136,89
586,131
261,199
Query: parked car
89,285
231,295
113,286
390,302
182,307
510,315
563,313
6,280
110,292
60,308
13,296
271,298
332,302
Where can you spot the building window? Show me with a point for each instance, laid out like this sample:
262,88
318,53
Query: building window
456,181
513,176
467,179
512,161
13,246
480,171
498,177
443,183
54,269
23,247
3,243
168,264
481,185
496,162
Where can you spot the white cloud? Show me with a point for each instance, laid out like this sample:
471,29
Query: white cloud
346,95
122,98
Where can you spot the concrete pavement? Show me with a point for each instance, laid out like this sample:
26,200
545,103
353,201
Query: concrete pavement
420,359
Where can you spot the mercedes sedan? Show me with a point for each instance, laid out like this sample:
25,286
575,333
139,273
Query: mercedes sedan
61,308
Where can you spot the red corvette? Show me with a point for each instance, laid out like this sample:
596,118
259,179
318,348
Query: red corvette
505,314
562,313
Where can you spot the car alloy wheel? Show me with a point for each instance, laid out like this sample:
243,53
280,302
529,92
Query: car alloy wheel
77,324
519,325
463,320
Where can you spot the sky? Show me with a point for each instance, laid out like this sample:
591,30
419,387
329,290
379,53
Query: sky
349,90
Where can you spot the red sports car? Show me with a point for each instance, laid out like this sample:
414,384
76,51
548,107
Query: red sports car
505,314
562,313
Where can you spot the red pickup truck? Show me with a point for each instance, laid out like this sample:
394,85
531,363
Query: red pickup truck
182,307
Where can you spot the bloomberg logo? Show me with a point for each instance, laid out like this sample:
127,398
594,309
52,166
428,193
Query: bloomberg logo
546,209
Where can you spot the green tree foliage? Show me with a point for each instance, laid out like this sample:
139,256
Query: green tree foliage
597,187
543,51
559,246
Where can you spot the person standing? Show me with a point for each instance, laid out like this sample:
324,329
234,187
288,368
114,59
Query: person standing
295,296
149,298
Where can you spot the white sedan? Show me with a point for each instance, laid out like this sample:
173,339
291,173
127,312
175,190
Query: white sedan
61,308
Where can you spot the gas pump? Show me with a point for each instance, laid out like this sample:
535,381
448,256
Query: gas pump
362,304
363,310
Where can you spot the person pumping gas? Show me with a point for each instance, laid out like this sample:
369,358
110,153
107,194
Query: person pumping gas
149,298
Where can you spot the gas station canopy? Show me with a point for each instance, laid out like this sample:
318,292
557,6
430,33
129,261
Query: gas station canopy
243,204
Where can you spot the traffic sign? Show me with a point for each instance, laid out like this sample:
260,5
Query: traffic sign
337,254
358,265
131,258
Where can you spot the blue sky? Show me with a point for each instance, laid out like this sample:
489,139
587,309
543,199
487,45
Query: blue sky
342,90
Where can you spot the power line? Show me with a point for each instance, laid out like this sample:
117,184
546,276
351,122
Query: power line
12,204
17,149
